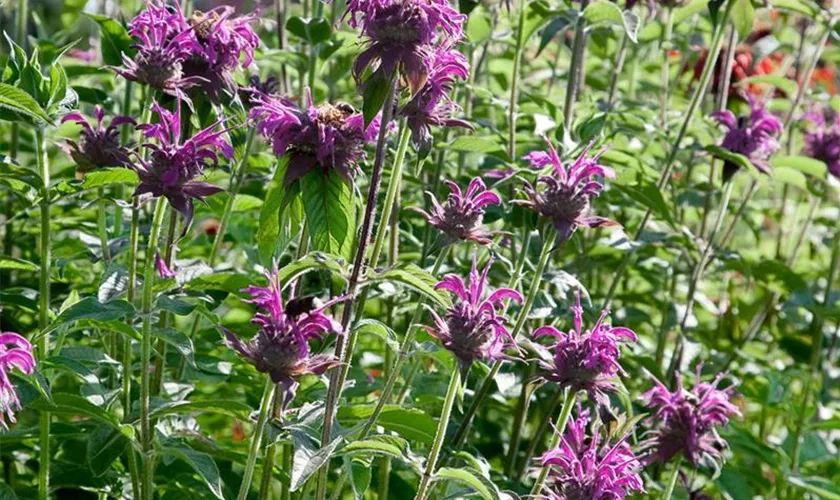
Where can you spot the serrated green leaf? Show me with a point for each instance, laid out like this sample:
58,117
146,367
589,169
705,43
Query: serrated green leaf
330,212
110,177
202,463
115,40
375,91
415,278
90,308
18,101
11,263
412,424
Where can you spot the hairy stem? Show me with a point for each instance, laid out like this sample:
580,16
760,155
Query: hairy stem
256,439
672,481
44,305
437,444
575,69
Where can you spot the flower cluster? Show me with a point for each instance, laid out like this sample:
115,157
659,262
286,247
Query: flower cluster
176,53
460,218
584,361
281,346
567,193
471,328
330,137
401,34
99,147
753,136
431,105
585,467
687,421
166,41
15,352
822,140
174,164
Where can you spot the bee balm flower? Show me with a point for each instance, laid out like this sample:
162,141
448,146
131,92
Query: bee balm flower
460,218
688,420
99,147
567,193
753,136
15,352
584,360
471,329
589,468
822,141
281,346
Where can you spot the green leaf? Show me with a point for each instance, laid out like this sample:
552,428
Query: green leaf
110,177
472,144
790,176
729,156
389,446
478,26
809,166
90,308
234,409
743,17
308,461
179,340
77,405
330,211
822,487
480,484
647,194
226,282
18,101
412,424
806,7
314,31
603,11
375,91
115,40
360,475
315,261
378,329
272,207
104,446
202,463
11,263
416,278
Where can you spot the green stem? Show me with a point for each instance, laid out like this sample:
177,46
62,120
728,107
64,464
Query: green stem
519,420
270,451
545,423
343,354
619,65
514,81
390,196
817,337
44,305
560,428
672,481
103,226
405,347
146,349
437,444
665,76
575,69
487,383
256,439
165,317
665,178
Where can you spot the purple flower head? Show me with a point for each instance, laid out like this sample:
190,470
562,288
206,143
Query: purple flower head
225,42
281,346
400,34
250,95
584,467
687,421
471,328
174,164
567,193
432,106
332,137
584,360
822,141
15,352
460,218
99,147
753,136
166,41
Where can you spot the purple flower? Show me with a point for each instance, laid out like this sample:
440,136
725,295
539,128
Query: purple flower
567,193
471,328
432,106
400,34
461,217
585,468
687,421
174,164
822,141
281,346
250,95
753,136
99,147
584,361
166,41
15,352
225,43
327,136
162,269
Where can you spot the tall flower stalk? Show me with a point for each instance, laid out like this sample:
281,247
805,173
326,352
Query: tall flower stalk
560,427
42,162
576,67
448,401
256,440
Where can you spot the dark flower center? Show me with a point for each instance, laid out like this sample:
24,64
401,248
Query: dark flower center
460,220
470,335
562,203
401,23
157,69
